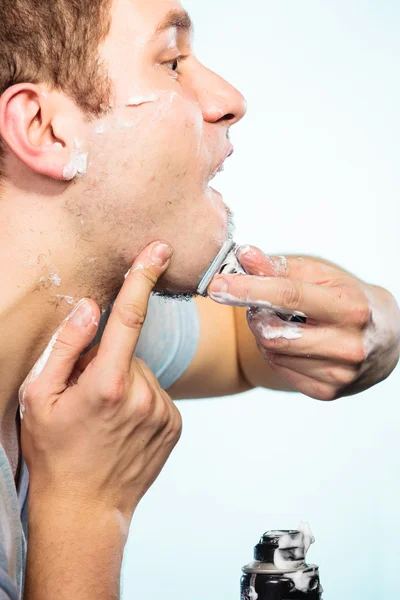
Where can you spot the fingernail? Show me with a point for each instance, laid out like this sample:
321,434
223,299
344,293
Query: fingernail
161,254
245,250
82,315
219,284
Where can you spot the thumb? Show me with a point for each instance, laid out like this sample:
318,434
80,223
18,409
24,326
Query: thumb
255,262
54,368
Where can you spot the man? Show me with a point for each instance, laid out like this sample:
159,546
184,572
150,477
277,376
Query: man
111,132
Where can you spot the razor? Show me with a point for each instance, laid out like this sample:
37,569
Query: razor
227,263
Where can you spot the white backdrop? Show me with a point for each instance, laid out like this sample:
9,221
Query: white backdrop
315,172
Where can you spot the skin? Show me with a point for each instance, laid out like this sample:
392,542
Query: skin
352,336
116,416
140,187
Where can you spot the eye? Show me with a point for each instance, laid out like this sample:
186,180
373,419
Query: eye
173,65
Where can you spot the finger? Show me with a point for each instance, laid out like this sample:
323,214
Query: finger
124,326
57,363
323,304
85,360
306,385
310,269
325,371
322,343
255,262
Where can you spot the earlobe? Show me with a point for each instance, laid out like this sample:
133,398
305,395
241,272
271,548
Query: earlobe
26,116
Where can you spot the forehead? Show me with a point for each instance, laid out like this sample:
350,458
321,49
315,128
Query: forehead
133,35
140,18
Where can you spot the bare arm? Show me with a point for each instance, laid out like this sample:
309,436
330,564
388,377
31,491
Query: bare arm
95,435
351,342
73,552
227,361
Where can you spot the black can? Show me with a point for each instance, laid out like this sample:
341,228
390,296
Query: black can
279,570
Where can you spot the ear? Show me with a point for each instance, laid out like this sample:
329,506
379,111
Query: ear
33,126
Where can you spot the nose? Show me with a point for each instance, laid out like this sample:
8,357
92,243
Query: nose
219,100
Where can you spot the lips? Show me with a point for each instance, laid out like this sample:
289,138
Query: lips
220,166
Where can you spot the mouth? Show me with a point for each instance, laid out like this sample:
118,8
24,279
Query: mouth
220,166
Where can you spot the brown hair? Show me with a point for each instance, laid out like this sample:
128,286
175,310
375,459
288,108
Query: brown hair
56,42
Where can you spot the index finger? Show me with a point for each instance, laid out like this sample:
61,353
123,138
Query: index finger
124,326
323,304
309,268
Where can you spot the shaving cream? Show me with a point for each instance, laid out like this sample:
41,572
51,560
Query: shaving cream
77,164
41,362
139,100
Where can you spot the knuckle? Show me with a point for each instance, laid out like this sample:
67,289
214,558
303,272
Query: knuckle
344,377
175,426
63,347
145,275
147,372
164,412
144,402
279,344
291,294
327,393
323,391
31,392
115,389
141,363
132,314
355,354
360,314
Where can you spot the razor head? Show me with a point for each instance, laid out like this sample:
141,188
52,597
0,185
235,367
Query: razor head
225,262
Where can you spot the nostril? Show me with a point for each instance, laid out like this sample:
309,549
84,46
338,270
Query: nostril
228,117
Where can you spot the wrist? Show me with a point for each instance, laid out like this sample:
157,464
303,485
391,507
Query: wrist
75,513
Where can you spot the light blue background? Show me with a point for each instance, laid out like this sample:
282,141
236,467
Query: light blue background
316,171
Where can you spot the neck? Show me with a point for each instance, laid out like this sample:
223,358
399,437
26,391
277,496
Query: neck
45,270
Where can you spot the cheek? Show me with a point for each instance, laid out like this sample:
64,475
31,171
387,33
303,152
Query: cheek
176,129
163,136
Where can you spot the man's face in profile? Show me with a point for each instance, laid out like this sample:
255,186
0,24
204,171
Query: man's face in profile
153,154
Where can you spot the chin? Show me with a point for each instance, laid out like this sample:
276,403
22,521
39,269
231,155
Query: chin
176,288
183,283
182,279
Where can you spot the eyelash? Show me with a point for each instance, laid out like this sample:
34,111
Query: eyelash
177,60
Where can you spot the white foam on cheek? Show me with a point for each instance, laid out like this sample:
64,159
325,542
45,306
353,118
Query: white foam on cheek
55,279
78,163
68,299
139,100
128,124
165,101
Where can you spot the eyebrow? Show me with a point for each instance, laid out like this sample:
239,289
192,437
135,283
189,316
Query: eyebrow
175,18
